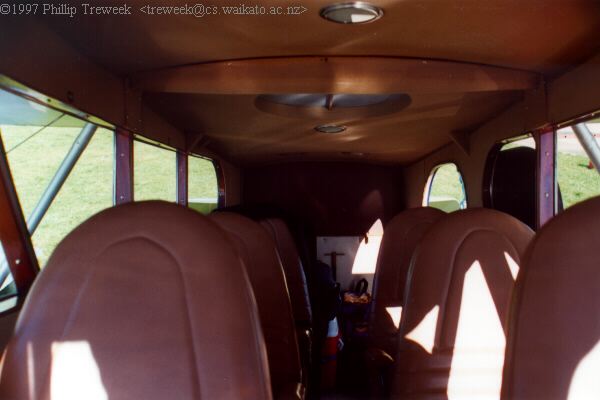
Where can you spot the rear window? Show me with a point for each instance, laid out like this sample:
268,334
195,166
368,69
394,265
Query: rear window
445,189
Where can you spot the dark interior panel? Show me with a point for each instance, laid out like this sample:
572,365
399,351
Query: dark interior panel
337,199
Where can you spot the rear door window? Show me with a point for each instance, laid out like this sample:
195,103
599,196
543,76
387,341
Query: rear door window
445,189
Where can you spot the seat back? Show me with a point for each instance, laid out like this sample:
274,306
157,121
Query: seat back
401,236
554,333
293,269
142,301
452,333
259,254
298,289
512,183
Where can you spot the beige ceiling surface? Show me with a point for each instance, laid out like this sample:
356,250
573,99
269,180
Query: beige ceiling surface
544,36
536,35
234,126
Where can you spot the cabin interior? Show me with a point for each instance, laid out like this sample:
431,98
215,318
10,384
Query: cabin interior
314,200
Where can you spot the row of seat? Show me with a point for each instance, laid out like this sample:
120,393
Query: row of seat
448,292
151,300
263,264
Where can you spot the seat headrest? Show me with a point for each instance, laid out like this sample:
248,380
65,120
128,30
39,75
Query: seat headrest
457,242
142,301
401,236
453,328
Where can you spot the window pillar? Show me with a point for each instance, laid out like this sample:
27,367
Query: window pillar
123,167
546,175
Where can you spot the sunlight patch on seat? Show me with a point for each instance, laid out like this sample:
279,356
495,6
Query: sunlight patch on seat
585,383
30,371
476,371
75,373
365,261
512,265
395,314
424,333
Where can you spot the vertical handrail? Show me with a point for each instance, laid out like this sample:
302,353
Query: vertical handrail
588,142
61,175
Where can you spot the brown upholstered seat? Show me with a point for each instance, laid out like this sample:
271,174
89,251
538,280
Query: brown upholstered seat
259,254
553,349
296,282
401,236
452,333
143,301
293,269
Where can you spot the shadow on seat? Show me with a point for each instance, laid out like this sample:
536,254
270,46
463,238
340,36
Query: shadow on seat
554,333
452,332
142,301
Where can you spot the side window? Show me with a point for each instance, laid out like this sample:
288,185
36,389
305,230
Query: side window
203,190
445,189
154,172
509,183
37,141
577,178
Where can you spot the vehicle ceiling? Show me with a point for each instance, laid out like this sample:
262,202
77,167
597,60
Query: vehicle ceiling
545,37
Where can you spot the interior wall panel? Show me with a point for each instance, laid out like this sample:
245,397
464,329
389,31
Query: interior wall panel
336,199
524,116
43,61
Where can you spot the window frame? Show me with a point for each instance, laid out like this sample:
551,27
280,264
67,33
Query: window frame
221,184
123,167
14,237
582,119
14,234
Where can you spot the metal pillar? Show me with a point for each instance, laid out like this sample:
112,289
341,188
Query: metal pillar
123,170
588,142
61,176
18,251
546,175
182,178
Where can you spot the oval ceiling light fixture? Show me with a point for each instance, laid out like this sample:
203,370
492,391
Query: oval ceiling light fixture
332,107
330,128
356,12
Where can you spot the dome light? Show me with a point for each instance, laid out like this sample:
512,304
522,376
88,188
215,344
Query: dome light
357,12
